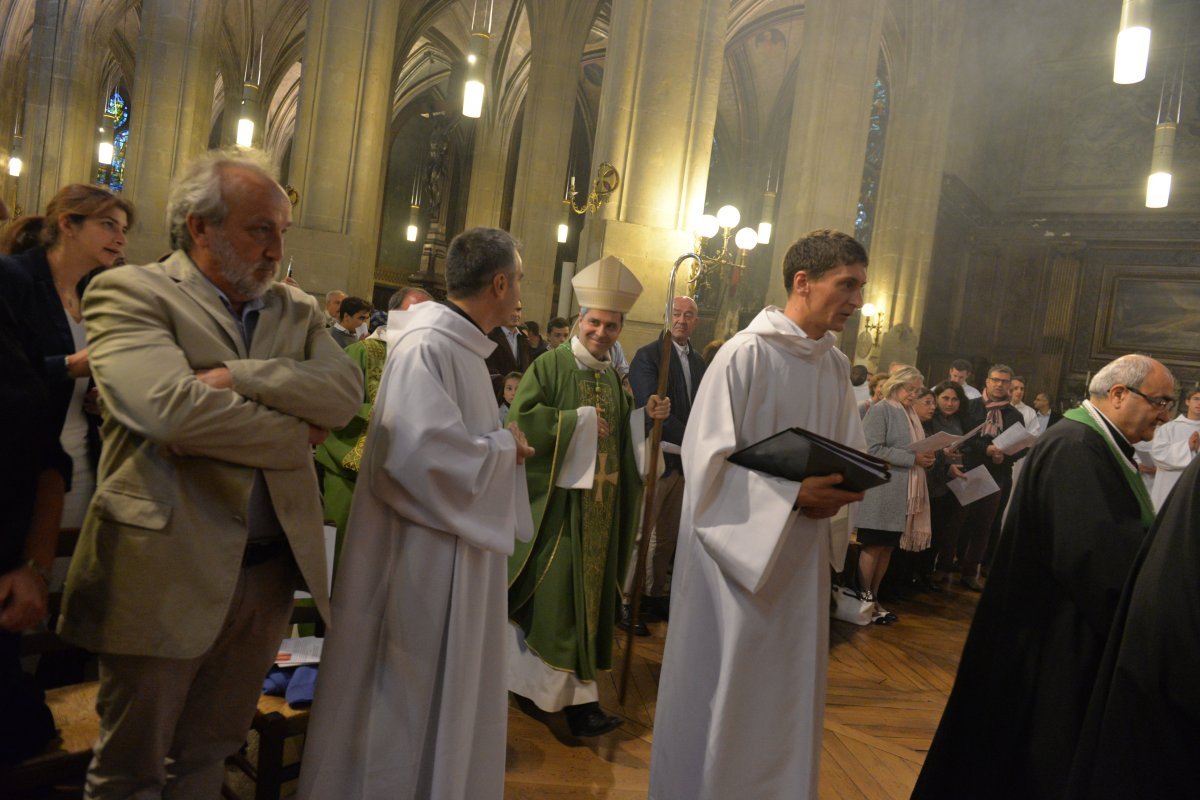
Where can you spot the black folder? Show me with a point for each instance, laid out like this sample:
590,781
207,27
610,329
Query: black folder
796,454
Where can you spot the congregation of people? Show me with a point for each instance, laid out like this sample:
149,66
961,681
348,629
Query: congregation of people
201,419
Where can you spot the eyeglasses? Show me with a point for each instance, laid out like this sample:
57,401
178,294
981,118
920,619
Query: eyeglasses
999,380
1161,403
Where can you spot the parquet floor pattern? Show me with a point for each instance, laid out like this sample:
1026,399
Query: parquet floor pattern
887,688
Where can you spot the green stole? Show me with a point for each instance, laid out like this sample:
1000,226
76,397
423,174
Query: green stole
1134,480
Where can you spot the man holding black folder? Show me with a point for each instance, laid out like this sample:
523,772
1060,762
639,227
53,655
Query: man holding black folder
750,601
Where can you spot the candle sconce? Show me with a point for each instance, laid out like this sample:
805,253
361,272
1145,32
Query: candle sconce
606,182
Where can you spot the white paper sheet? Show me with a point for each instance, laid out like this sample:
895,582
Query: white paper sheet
305,650
976,485
941,440
1015,439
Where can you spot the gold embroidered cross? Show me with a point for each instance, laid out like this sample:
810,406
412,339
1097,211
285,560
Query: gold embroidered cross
604,477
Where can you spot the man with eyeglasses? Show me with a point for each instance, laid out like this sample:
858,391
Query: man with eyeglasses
1079,516
993,410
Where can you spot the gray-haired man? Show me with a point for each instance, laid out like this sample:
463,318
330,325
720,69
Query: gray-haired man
216,382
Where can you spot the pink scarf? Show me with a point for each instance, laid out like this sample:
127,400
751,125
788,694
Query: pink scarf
995,420
918,526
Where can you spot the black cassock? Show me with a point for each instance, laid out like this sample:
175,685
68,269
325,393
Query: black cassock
1012,722
1142,735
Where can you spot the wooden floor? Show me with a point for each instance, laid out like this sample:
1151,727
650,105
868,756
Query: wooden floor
887,687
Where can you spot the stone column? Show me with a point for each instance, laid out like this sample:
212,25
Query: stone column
14,74
558,30
827,141
339,156
489,157
170,111
63,103
658,108
922,81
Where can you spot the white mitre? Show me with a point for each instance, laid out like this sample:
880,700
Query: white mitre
607,285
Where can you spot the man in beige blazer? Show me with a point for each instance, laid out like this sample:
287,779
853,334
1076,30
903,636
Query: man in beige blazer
215,381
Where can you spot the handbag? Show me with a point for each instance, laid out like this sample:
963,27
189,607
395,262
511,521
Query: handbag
849,605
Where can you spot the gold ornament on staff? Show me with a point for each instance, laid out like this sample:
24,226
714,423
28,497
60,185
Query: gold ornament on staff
664,364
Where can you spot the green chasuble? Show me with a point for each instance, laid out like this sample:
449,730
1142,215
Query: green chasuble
341,452
564,586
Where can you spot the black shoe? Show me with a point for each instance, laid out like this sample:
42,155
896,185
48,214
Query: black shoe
626,620
588,720
659,607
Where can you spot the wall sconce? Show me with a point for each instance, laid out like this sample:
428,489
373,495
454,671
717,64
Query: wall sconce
707,267
874,321
1133,42
606,182
563,232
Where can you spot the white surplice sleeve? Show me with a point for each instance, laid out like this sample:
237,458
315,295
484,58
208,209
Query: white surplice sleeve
1170,447
430,468
739,515
850,432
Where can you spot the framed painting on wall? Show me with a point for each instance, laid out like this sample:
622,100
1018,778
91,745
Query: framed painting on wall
1149,310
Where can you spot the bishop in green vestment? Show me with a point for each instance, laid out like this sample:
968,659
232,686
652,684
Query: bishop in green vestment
565,584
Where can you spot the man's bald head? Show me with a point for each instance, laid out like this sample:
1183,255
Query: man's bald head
1136,393
685,315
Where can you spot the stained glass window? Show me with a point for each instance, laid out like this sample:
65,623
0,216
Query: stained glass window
117,110
868,195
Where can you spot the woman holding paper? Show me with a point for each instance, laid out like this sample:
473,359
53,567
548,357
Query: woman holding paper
896,513
946,512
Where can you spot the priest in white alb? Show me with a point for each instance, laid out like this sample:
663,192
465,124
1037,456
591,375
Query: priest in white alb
742,689
411,702
1174,447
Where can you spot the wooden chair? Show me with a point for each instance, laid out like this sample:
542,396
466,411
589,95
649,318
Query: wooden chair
275,722
59,770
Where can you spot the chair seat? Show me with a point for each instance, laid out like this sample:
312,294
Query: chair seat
275,704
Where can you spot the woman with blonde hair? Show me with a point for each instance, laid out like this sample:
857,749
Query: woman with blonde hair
896,513
82,231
